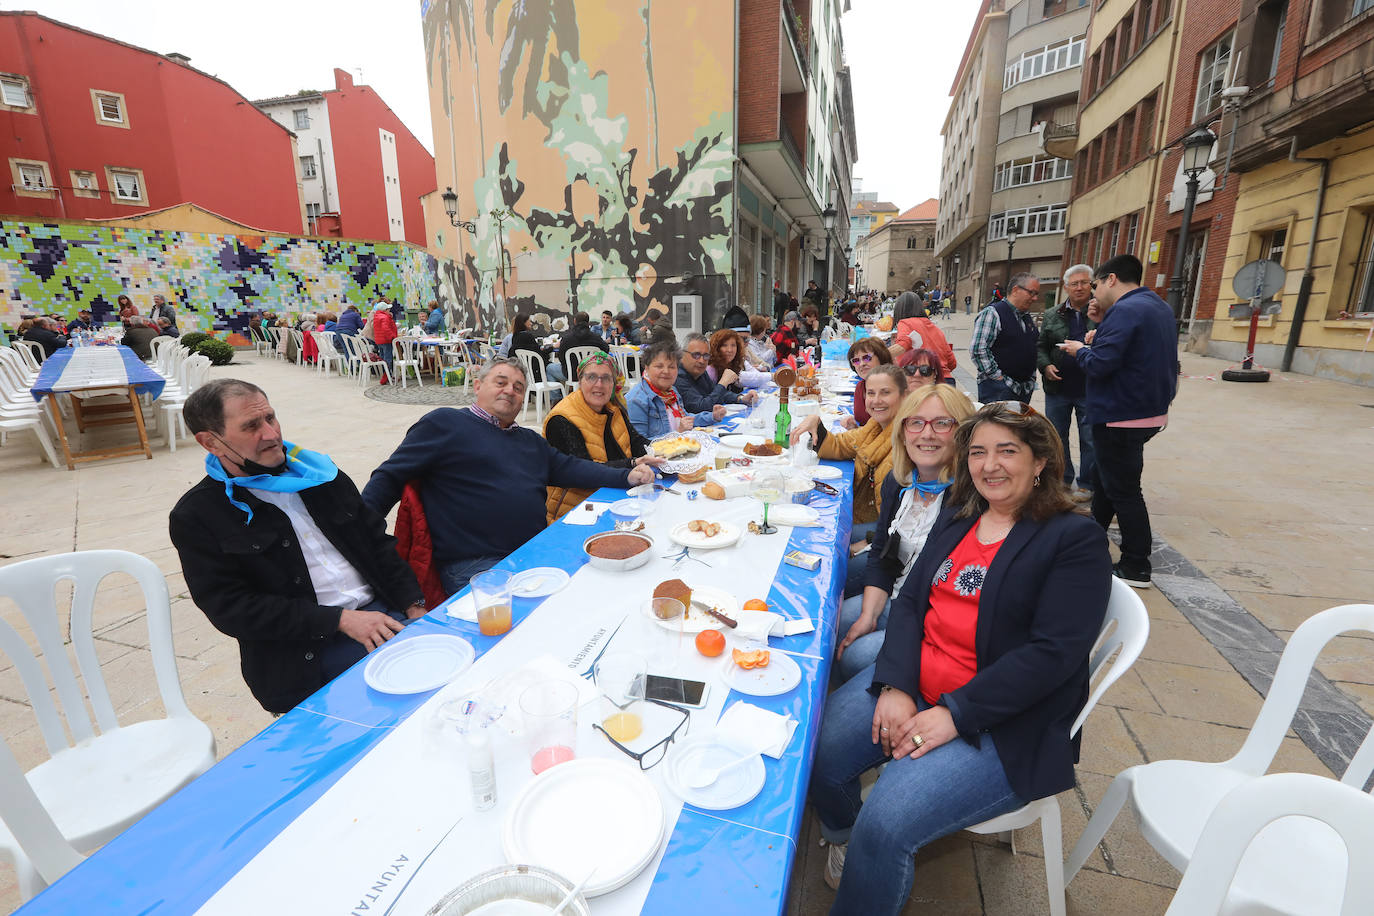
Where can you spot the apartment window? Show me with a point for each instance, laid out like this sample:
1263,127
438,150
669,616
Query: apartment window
1127,145
1144,20
1097,245
1043,220
1116,237
126,185
110,109
1272,245
1211,77
14,92
84,184
307,166
1132,230
1030,170
911,243
1124,45
1044,61
930,242
1145,136
301,118
1109,57
1364,305
34,178
1109,152
312,217
1359,6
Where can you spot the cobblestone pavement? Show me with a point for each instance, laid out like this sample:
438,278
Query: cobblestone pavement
1260,509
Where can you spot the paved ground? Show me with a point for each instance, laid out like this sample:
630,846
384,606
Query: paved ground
1260,491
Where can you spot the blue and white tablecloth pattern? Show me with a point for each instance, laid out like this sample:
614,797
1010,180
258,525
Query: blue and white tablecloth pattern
95,367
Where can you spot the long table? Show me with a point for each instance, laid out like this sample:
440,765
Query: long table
179,857
98,370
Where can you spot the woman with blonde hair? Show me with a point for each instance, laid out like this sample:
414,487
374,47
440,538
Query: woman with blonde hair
913,494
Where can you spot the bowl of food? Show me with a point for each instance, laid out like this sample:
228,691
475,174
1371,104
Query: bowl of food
510,889
618,551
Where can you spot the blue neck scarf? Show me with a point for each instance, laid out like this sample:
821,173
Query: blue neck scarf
304,469
925,488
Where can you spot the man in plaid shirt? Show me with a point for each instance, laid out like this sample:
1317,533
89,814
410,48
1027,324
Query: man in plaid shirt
1004,344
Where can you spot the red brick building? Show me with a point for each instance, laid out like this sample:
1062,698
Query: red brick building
96,128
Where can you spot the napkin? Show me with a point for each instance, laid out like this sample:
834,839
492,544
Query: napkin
749,727
585,513
793,516
463,608
758,624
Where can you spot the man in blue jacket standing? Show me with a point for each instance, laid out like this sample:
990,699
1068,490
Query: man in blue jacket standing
1132,370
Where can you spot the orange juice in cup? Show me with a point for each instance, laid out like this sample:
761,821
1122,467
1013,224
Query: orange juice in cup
491,595
494,619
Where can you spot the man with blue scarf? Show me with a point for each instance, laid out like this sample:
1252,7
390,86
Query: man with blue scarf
280,552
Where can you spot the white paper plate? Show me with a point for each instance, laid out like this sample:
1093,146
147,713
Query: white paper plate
728,535
703,458
826,472
737,441
697,619
419,664
538,582
791,515
589,812
736,408
781,675
737,786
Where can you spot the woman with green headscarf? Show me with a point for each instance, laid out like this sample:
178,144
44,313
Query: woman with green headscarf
591,423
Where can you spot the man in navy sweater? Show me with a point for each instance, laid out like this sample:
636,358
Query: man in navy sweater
482,477
1132,370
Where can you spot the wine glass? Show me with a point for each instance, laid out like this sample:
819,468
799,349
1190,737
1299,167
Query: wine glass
767,487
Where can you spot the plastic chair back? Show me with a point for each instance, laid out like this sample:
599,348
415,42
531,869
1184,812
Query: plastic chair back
158,343
1290,681
30,351
1125,628
1253,806
574,357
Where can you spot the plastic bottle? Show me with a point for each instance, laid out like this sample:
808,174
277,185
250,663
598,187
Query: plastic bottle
481,769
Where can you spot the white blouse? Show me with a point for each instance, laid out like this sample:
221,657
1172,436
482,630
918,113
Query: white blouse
913,522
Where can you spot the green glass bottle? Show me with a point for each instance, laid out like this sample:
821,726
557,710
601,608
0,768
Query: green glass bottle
782,428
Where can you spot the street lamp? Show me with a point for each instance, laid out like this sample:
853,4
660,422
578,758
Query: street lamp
451,208
848,258
828,214
956,279
1011,248
1197,149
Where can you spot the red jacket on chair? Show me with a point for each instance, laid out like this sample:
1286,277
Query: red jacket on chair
414,546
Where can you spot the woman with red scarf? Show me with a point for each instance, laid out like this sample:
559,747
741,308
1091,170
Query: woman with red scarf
654,407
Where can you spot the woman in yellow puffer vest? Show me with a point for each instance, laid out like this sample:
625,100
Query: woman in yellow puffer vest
591,423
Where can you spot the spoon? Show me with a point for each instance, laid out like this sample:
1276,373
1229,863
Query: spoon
707,775
577,889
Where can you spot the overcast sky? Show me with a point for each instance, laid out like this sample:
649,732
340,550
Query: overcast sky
902,53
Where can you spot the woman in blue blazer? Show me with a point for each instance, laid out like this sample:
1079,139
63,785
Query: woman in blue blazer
982,672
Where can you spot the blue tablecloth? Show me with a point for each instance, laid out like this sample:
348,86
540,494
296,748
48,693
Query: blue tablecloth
178,856
143,378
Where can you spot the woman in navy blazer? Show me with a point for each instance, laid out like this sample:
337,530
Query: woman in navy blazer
983,670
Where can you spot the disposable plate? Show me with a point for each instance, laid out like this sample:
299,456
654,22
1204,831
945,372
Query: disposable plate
826,472
736,786
703,458
418,664
590,812
697,619
728,535
792,515
538,582
780,676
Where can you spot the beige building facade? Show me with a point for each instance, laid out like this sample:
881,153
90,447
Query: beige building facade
900,254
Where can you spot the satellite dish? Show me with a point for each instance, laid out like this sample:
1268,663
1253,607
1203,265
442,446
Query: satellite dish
1259,279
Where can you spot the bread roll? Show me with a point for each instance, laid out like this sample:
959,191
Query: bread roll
713,490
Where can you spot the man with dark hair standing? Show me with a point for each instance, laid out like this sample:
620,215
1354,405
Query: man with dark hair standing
1132,371
1003,345
280,552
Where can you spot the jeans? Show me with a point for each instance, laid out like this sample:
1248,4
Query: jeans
995,389
385,352
1116,490
341,652
1059,409
556,371
854,573
863,651
914,802
455,576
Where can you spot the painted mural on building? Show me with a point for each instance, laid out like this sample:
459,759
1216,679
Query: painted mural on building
215,281
593,178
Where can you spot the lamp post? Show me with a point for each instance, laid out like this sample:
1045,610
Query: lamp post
1197,148
848,256
451,208
1011,249
501,216
956,280
828,214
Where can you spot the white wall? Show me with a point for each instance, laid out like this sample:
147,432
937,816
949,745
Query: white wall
391,180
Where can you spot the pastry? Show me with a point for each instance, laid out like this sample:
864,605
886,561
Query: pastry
763,449
677,447
696,476
706,529
676,589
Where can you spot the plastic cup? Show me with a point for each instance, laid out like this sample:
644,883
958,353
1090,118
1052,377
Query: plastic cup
491,594
660,633
621,678
550,712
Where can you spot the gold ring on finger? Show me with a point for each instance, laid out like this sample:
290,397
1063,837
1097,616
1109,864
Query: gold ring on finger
917,740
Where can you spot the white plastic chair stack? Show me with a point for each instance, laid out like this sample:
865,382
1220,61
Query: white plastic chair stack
193,372
108,775
1260,816
1125,629
18,410
262,341
1173,799
31,352
299,338
329,355
539,391
158,344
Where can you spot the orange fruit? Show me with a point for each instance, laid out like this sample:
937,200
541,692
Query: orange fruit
756,604
710,643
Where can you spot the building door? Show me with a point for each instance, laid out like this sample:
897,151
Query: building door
1192,273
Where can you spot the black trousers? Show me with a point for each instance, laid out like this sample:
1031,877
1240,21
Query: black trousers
1120,454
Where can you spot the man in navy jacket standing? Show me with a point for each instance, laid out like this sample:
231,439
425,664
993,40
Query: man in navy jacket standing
1132,370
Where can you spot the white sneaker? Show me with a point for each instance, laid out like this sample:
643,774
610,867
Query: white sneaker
834,865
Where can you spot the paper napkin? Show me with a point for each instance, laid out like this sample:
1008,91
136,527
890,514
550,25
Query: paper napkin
749,727
463,608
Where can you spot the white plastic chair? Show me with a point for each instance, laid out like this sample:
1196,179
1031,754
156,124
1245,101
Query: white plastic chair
193,372
299,338
1172,799
1261,817
358,352
262,341
108,776
539,391
629,367
9,356
329,355
407,354
31,351
573,358
1124,632
158,343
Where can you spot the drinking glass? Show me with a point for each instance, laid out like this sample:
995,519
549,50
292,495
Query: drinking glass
491,594
767,487
660,633
550,712
621,679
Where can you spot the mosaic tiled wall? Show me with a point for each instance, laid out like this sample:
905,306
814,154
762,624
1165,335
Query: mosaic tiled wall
215,281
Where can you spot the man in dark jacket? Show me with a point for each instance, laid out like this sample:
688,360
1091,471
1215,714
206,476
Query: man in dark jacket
580,335
1065,385
350,322
695,387
82,322
280,552
45,332
1132,370
1003,344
